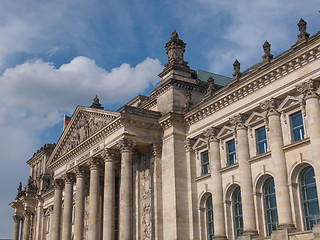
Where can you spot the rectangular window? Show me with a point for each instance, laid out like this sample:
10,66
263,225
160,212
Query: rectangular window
261,140
231,152
297,126
205,167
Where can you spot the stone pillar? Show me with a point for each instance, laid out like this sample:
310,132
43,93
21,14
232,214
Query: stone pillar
56,218
39,219
279,164
69,179
125,205
80,201
242,149
216,178
308,89
16,227
94,198
26,225
109,193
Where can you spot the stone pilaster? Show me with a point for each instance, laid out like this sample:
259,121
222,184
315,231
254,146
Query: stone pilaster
80,201
39,223
16,227
26,225
95,165
56,218
109,193
308,90
216,178
242,149
125,205
69,179
279,164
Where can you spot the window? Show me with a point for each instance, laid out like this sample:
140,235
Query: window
231,152
261,140
205,168
297,126
270,206
309,197
209,213
237,213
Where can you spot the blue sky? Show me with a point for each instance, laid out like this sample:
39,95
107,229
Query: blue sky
55,55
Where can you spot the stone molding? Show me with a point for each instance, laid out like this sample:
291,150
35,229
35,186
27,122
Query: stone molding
251,83
308,89
171,119
270,106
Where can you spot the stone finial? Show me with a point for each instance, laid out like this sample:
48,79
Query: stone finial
236,67
210,86
303,35
270,106
267,51
96,103
309,88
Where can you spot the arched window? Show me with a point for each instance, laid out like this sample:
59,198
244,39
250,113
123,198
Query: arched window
309,197
237,212
209,215
270,205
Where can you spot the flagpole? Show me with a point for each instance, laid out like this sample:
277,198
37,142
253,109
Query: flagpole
64,122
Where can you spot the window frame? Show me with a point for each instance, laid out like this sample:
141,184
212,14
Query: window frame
269,210
299,128
264,141
209,214
237,207
231,153
207,163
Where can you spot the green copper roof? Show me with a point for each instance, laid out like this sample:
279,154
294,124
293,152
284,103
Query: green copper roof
218,79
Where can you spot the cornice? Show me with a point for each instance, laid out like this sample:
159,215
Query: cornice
171,119
254,81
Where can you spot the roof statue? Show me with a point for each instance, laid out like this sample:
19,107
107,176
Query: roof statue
303,35
96,103
267,52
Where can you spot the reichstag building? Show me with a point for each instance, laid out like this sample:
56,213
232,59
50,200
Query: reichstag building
203,157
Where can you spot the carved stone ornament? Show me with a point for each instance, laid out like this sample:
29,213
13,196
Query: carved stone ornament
238,121
157,149
188,144
125,144
94,163
188,103
175,48
270,106
211,135
107,155
81,171
69,177
27,214
236,67
267,51
58,183
210,89
303,35
308,89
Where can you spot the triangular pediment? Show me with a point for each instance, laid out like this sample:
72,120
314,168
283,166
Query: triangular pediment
225,132
255,118
200,143
288,103
84,123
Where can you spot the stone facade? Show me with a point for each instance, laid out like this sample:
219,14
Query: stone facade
194,160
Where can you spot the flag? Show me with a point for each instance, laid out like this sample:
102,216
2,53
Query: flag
66,121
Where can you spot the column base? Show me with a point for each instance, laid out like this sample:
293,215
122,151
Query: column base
282,234
290,227
220,237
248,235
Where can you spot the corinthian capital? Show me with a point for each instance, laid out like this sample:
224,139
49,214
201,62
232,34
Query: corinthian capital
69,177
125,144
16,218
108,155
211,135
238,121
308,89
157,149
270,106
58,183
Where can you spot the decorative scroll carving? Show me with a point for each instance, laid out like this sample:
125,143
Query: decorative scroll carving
270,106
238,121
308,89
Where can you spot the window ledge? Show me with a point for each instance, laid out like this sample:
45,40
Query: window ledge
260,156
230,167
202,177
294,144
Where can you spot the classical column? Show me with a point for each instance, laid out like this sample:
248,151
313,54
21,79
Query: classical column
242,149
26,225
79,206
279,164
308,89
216,178
94,198
16,227
109,193
69,179
56,218
39,218
125,205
